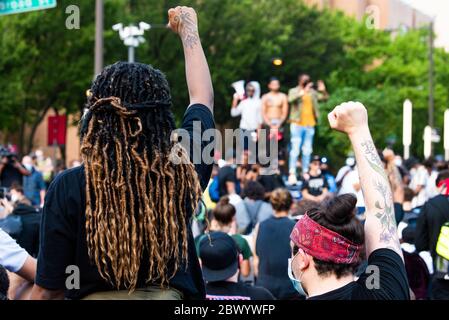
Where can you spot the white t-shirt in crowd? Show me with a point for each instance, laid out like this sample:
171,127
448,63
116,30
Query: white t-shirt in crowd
347,186
420,177
431,188
251,111
12,256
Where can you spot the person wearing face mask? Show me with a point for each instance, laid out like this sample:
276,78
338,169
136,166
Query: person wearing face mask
33,185
249,108
328,242
20,208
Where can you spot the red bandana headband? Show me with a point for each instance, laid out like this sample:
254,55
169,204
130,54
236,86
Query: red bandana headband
445,183
324,244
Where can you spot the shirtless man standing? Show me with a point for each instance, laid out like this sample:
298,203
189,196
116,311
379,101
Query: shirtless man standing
274,105
274,114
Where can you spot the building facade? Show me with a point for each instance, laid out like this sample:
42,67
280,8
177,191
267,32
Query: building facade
387,14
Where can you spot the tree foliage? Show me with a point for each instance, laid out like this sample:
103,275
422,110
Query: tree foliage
45,65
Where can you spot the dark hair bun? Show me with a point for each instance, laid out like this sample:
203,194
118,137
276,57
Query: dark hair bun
223,201
340,210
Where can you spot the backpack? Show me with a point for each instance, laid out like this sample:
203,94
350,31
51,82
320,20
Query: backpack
417,274
442,249
253,216
214,190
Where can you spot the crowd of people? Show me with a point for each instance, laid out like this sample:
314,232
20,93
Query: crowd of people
136,225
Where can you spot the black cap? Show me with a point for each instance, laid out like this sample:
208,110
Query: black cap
316,158
219,257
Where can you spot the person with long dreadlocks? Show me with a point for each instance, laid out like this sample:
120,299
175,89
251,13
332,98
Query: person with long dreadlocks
123,217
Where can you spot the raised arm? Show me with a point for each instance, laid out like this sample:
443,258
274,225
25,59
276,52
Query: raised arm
380,226
183,21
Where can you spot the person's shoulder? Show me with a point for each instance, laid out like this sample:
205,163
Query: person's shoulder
68,176
198,112
383,254
198,107
259,293
72,173
436,202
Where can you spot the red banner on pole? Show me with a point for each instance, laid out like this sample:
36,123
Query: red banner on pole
57,130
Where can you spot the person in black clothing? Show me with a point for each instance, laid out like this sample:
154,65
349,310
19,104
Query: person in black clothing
272,248
124,216
228,183
30,218
4,284
220,258
11,171
434,214
270,181
315,187
328,243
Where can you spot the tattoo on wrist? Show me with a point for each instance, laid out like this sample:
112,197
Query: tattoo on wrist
189,32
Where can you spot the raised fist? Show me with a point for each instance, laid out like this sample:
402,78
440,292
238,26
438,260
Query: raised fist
349,117
182,20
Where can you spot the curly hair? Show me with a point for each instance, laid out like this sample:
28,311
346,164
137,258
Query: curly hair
136,197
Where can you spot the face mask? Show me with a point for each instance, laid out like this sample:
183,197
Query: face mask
296,283
14,198
29,167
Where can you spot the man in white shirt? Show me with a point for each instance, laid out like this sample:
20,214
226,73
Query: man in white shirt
249,107
351,184
420,178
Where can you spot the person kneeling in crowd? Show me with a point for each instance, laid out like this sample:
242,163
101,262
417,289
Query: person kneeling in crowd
220,260
328,242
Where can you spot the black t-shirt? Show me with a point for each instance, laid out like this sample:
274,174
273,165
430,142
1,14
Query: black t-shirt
392,280
226,174
271,182
273,250
10,175
63,234
224,290
315,184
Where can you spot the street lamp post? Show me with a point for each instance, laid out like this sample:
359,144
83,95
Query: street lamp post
407,128
132,36
431,82
446,135
98,36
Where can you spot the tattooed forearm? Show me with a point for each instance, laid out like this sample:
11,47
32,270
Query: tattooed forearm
384,209
373,159
189,32
385,213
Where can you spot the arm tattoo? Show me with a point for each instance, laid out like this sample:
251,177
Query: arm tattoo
189,32
373,159
385,213
384,207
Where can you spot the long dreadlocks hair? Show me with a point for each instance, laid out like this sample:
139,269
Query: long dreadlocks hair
136,198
